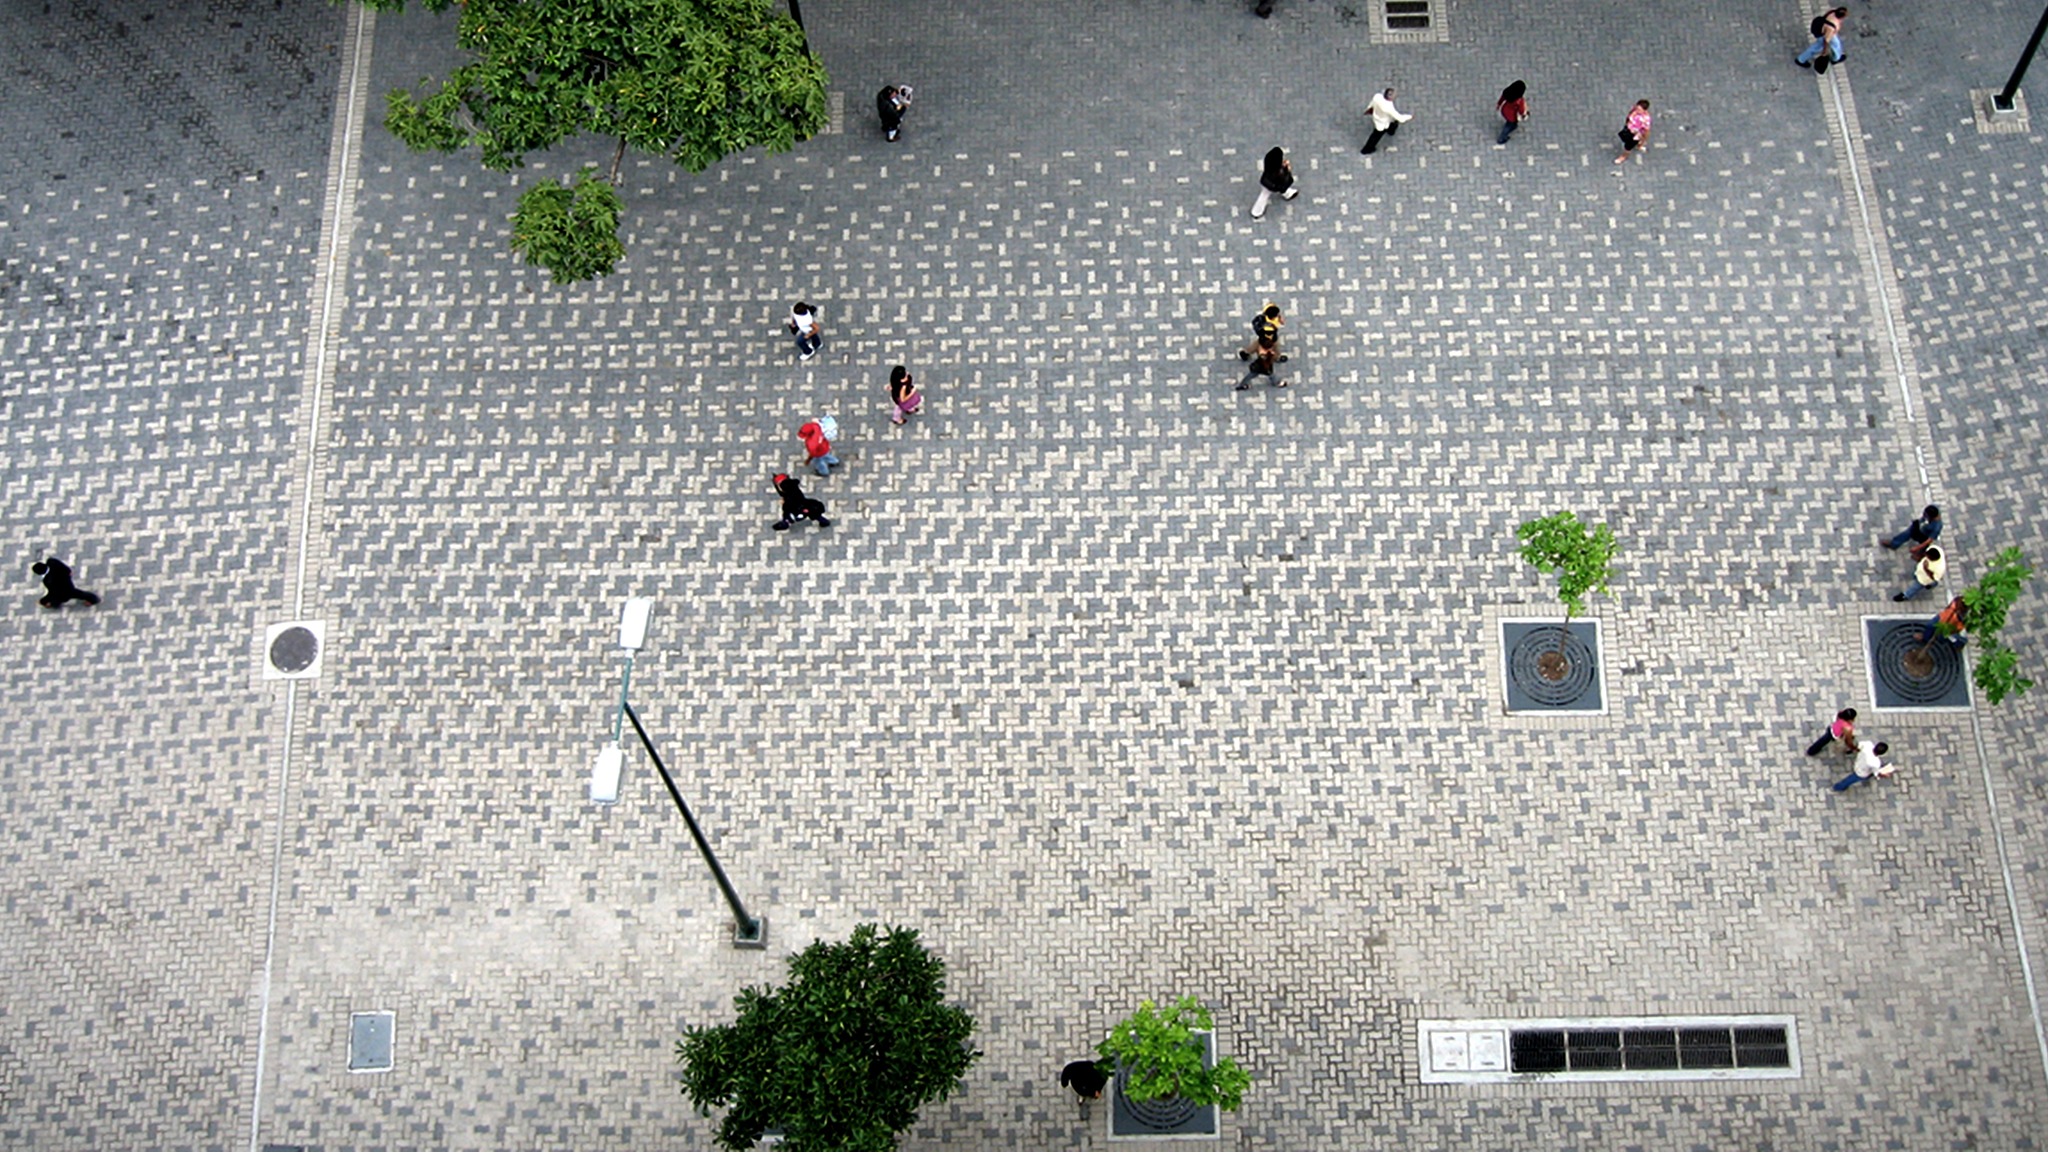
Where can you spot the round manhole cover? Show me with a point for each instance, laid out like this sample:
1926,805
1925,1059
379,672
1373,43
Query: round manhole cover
1916,673
1537,653
294,649
1160,1115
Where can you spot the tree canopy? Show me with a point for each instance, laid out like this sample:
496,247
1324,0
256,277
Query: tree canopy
692,80
1582,555
841,1058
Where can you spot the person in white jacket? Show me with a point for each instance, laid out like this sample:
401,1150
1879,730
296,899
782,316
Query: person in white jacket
1386,120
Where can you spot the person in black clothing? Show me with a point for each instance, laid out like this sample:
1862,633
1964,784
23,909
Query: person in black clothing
797,506
1086,1078
57,583
1276,178
890,104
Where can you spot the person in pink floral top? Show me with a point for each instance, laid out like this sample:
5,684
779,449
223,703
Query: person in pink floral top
1636,132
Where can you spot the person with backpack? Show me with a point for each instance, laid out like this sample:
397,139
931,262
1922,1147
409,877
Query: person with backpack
1827,35
817,436
1266,324
809,332
797,506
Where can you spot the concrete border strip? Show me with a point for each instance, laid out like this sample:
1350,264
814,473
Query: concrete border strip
337,229
1874,253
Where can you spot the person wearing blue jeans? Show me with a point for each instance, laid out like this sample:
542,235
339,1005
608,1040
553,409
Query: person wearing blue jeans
1926,574
1513,108
1868,765
1953,623
1827,36
1924,530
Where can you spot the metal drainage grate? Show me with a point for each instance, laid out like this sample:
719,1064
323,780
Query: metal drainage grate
1408,15
1905,673
1529,646
1609,1048
1407,21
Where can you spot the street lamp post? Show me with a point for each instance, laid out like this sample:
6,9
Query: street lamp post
2003,101
748,931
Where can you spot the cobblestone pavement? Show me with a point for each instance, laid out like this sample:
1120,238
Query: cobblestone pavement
1113,681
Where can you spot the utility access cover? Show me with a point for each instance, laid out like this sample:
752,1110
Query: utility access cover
1906,673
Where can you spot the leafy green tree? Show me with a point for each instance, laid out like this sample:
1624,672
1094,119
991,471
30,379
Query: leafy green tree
842,1057
1582,555
1986,603
1164,1057
573,232
692,80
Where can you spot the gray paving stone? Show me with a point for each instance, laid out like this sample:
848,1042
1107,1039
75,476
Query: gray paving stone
1114,682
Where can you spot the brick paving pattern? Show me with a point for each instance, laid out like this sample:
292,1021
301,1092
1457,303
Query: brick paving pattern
1114,682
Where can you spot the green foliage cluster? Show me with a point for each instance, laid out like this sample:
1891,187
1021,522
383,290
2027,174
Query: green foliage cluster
573,232
692,80
1164,1057
842,1057
1582,555
1988,601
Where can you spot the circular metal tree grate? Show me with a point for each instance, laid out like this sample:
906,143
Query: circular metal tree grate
1914,678
1160,1115
294,650
1524,667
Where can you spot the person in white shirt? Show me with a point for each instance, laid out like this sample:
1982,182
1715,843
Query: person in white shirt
1386,120
803,323
1869,763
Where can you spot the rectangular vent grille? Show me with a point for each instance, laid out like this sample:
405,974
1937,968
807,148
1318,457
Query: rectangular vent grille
1408,15
1407,21
1609,1048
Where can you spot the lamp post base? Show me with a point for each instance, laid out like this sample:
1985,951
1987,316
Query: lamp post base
758,941
1993,120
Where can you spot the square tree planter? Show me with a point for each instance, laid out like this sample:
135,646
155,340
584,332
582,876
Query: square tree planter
1910,676
1537,677
1169,1119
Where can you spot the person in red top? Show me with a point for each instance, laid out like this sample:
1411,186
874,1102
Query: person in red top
818,445
1514,108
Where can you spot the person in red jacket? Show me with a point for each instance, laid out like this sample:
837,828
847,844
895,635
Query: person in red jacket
817,440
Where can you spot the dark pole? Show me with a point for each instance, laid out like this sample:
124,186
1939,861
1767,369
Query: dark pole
796,13
2002,101
749,928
